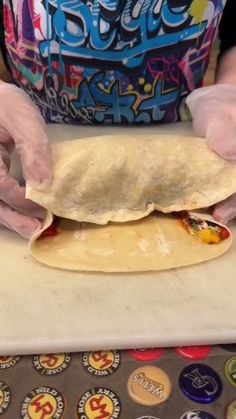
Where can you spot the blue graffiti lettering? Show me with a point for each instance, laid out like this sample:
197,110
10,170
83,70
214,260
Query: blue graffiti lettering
118,107
100,33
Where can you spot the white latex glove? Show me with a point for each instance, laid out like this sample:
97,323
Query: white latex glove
213,111
22,127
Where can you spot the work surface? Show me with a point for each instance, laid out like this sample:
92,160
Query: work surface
47,310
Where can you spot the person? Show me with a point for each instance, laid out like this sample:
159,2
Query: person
114,62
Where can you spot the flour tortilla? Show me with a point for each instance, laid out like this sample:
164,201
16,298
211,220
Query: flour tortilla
156,242
122,178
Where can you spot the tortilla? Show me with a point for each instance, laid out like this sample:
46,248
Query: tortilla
156,242
120,179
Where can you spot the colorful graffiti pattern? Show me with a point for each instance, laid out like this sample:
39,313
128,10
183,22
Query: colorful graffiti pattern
110,61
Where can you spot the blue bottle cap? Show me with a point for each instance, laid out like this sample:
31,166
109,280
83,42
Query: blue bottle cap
200,383
197,414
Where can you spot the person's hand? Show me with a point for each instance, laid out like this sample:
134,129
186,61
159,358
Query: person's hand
23,128
213,111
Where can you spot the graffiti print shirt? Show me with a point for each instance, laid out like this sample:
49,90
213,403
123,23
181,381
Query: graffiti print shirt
110,61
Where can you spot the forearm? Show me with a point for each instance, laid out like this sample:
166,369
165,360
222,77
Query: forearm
226,69
4,74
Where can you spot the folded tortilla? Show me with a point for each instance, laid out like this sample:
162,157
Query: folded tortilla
121,181
154,243
122,178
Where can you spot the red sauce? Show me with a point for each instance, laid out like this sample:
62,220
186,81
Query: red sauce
51,231
224,234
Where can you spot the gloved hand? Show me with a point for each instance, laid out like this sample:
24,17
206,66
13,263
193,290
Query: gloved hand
213,111
22,127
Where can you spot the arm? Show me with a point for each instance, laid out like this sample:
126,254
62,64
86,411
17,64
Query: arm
213,108
4,74
22,127
226,69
